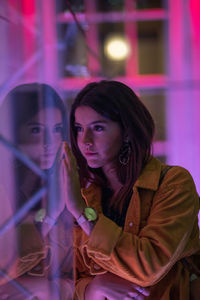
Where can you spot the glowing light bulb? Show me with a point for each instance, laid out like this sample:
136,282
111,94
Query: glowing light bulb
117,48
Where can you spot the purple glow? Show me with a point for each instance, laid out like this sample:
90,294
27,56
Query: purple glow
30,52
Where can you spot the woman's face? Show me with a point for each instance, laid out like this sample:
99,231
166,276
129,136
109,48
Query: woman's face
41,137
99,139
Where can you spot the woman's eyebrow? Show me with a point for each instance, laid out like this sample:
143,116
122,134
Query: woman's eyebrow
35,123
92,123
43,124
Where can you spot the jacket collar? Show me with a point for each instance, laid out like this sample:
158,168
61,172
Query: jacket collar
148,179
150,175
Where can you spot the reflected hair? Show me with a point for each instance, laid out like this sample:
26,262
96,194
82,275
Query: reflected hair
23,103
26,100
117,102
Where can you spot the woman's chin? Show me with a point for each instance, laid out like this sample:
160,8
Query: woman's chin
45,165
94,165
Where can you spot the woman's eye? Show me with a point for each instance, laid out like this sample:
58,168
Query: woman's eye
58,129
35,130
98,128
78,129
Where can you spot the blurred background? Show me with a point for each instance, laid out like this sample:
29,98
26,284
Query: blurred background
151,45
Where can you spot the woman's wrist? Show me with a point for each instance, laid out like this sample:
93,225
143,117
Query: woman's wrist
77,210
44,222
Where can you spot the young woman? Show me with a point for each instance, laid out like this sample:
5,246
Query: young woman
44,259
137,222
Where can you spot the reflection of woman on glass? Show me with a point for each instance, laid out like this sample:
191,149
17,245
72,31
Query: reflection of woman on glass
136,224
39,127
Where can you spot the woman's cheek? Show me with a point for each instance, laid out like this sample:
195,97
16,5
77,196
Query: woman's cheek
31,150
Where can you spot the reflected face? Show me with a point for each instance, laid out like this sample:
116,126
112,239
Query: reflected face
99,139
41,137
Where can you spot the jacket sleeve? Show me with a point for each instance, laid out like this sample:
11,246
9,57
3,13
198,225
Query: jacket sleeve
146,258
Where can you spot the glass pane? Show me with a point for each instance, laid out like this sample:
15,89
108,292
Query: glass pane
76,5
32,128
155,102
151,47
110,67
110,5
72,52
147,4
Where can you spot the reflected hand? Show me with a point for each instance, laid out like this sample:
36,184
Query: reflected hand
74,200
56,201
113,287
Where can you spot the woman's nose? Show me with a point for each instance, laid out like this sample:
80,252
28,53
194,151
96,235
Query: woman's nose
87,137
47,138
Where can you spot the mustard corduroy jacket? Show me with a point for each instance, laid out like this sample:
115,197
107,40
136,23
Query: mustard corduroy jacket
161,228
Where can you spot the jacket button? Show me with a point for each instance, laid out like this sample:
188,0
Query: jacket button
131,224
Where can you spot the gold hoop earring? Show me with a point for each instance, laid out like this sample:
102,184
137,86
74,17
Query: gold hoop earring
124,154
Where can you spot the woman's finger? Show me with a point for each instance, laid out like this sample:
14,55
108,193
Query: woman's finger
66,159
66,165
69,154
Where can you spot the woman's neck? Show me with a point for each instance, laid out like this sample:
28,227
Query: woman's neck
111,175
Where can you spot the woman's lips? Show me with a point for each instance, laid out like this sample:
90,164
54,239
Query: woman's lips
90,153
48,154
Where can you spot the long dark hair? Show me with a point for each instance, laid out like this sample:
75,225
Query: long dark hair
117,102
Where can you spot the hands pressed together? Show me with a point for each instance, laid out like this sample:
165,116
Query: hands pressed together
74,200
65,174
107,285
